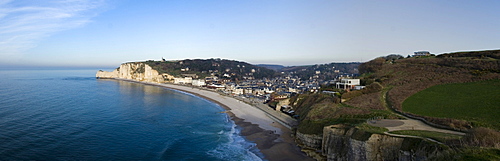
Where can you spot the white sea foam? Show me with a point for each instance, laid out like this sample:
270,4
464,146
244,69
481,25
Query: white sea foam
236,147
233,146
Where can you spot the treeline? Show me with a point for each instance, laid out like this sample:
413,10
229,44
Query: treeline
218,67
495,54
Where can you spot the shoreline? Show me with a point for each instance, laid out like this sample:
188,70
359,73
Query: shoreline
273,139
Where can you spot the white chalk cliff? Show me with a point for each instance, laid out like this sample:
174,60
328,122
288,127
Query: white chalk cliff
135,71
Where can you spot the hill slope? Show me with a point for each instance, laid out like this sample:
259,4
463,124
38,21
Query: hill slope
405,77
229,69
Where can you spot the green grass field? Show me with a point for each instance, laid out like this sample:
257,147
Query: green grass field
478,102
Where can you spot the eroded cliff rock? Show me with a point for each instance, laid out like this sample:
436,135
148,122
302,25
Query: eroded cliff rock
309,140
341,143
135,71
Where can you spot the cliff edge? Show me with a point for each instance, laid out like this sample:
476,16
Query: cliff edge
135,71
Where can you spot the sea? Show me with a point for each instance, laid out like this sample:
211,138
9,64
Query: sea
71,115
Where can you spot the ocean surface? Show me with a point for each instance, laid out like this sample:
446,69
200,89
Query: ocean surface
70,115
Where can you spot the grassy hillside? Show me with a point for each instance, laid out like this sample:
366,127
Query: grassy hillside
403,78
478,102
459,90
319,110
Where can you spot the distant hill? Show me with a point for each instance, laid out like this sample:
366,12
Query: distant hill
242,70
271,66
222,68
326,71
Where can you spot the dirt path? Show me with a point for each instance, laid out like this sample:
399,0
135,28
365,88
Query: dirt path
409,124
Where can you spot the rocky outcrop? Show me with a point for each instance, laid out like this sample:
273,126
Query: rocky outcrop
341,143
135,71
309,140
106,74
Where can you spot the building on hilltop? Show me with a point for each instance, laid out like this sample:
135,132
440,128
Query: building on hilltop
347,83
421,53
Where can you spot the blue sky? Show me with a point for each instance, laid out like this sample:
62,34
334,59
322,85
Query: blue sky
105,33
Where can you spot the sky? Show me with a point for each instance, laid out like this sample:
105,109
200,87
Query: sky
106,33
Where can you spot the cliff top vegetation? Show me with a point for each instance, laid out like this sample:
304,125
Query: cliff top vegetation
217,67
402,78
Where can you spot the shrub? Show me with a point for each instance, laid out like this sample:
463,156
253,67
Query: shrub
372,88
483,137
351,94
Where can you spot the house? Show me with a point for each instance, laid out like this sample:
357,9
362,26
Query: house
421,53
185,80
190,75
198,82
238,91
293,90
216,86
347,83
260,91
247,90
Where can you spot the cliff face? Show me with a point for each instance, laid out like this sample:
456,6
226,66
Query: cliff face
309,140
352,144
135,71
346,144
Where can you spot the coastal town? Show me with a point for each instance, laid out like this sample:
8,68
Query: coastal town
272,90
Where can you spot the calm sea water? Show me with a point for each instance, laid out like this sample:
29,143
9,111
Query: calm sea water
69,115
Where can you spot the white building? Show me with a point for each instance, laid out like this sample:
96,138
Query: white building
238,91
198,82
293,90
347,83
421,53
185,80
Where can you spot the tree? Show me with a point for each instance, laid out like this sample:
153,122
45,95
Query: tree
393,57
